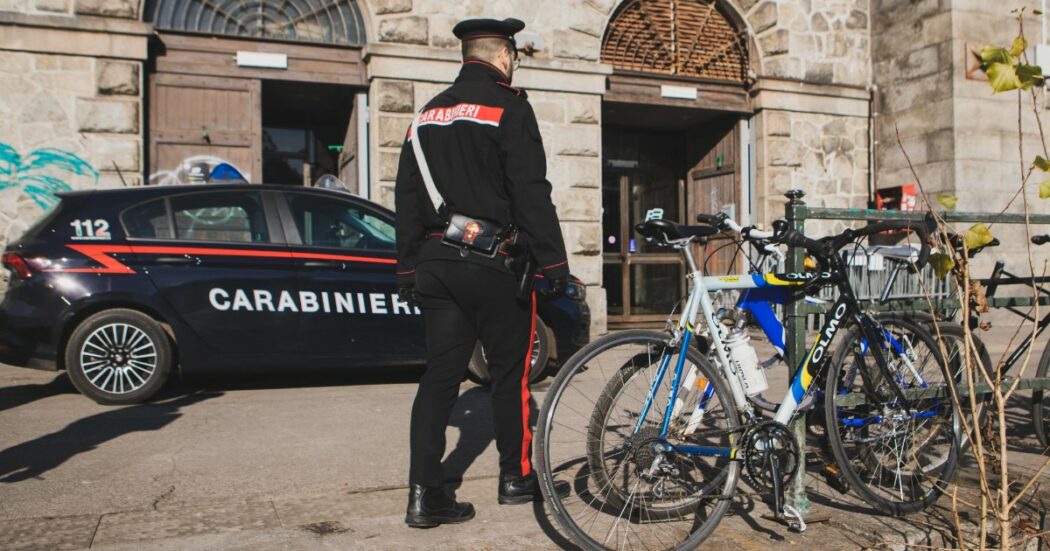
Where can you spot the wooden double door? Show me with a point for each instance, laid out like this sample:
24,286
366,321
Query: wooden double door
205,116
673,175
201,103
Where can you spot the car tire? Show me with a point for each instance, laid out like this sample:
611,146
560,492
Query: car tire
118,357
478,369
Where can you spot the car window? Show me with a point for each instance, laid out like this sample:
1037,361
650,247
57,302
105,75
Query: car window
148,221
324,222
228,216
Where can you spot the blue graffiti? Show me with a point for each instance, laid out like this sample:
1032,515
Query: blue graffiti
38,173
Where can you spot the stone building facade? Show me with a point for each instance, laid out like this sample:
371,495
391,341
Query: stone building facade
85,77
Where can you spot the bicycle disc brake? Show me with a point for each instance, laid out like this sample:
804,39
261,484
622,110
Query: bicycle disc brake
761,441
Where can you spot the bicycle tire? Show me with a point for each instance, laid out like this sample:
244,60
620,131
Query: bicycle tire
941,469
583,365
1041,402
954,332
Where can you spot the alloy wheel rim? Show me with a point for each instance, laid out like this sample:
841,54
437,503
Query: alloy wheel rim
118,358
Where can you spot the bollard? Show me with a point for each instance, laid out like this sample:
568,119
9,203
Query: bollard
795,326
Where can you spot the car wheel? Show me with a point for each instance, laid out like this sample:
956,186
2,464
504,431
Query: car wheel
118,356
478,369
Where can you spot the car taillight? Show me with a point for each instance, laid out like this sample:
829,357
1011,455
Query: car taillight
18,265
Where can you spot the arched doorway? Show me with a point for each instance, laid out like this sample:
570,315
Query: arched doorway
272,86
673,141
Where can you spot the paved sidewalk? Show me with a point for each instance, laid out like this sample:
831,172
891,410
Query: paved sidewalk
374,520
308,462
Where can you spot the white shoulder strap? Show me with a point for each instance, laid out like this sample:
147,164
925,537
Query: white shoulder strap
424,168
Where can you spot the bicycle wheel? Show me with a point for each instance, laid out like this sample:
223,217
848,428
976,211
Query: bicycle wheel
953,337
1041,402
596,470
899,461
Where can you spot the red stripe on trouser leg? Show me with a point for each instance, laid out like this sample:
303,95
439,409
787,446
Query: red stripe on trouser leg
526,434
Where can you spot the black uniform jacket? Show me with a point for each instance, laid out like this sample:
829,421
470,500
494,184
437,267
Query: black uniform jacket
486,156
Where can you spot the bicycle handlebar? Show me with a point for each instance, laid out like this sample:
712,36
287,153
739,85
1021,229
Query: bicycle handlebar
826,247
723,222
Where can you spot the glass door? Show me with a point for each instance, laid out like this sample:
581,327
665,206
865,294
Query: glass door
643,281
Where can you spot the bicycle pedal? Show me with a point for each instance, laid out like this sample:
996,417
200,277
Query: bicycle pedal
833,476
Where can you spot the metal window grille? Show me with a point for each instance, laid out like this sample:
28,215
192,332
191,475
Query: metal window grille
318,21
687,38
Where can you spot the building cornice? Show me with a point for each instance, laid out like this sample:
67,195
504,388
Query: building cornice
439,65
808,97
80,35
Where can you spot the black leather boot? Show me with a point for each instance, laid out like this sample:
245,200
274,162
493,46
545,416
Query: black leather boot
429,507
515,490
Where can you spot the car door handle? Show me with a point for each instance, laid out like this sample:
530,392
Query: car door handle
178,260
324,264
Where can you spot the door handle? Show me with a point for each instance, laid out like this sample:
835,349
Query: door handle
171,260
324,264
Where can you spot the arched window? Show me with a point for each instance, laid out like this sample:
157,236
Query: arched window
687,38
320,21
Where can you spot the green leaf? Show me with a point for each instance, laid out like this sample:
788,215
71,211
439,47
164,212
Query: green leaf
1017,48
1041,163
1030,75
1003,77
947,200
977,236
1044,190
942,264
996,54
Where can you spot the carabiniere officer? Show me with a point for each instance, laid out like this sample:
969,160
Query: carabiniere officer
483,146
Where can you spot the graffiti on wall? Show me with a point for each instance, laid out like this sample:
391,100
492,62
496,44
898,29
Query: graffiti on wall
42,173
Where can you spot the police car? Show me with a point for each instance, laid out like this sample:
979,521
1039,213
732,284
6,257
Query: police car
122,287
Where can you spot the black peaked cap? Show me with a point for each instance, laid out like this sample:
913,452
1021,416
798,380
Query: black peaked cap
488,28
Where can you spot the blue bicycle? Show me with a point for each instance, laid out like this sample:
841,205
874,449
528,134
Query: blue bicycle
651,431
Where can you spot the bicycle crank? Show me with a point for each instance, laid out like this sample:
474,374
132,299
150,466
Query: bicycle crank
765,444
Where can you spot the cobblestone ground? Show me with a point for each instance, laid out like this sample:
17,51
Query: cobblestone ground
296,462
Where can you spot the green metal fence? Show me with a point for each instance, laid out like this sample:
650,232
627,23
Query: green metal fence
797,313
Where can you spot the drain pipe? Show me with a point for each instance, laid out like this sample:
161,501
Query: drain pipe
873,141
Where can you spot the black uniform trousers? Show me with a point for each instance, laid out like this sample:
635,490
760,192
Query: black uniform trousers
462,302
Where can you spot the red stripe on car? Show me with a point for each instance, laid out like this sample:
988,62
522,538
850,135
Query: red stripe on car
110,265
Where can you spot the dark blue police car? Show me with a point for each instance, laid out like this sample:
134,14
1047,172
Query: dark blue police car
121,287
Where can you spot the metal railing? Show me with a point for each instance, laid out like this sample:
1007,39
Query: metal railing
910,294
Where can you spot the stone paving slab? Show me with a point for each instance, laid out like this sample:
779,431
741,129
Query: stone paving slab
71,532
186,521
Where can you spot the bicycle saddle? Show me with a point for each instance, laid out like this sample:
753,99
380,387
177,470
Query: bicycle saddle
904,253
666,230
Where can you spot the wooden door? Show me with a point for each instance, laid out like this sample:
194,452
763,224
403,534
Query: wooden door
715,187
205,115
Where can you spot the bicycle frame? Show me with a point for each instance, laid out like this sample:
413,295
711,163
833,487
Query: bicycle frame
759,291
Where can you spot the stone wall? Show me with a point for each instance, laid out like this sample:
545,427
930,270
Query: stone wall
913,64
818,41
71,102
824,155
961,139
64,109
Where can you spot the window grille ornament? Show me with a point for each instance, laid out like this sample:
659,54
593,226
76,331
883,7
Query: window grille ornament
685,38
319,21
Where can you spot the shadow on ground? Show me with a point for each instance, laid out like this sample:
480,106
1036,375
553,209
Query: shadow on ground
35,457
12,397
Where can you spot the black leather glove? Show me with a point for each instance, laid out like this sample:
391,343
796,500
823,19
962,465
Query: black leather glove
557,287
407,293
